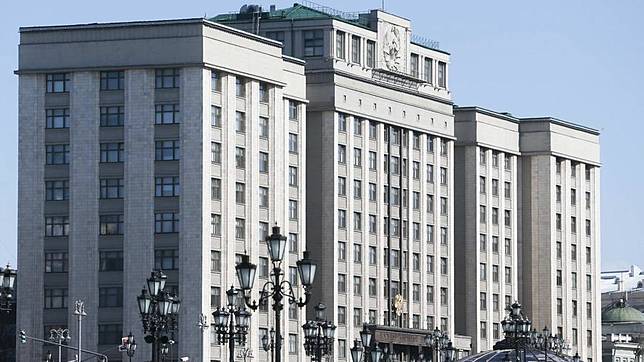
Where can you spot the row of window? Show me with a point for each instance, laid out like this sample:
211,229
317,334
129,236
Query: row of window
164,222
507,187
483,242
573,225
495,273
507,159
507,216
394,258
573,196
573,169
573,280
428,70
573,252
483,301
394,225
57,261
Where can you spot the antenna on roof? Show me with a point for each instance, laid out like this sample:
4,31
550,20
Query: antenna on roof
382,6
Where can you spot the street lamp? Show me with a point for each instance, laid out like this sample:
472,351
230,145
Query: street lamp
231,323
576,357
278,287
59,336
268,342
517,328
363,348
130,346
438,341
159,312
318,335
7,279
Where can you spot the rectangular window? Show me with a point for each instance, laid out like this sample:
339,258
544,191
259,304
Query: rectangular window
56,226
371,53
112,152
292,243
55,298
292,209
263,127
357,126
430,296
263,92
215,261
215,225
413,65
342,284
112,116
443,206
167,259
313,43
442,74
57,154
263,231
342,251
342,186
56,262
495,187
110,261
240,122
428,71
443,176
508,275
507,218
357,189
292,143
263,162
166,78
112,80
357,157
166,222
240,157
240,193
240,87
292,343
111,224
215,116
110,297
292,176
342,153
373,130
215,297
276,35
340,45
357,286
57,118
215,81
215,189
167,150
215,152
56,190
240,229
355,49
342,122
342,219
58,82
293,111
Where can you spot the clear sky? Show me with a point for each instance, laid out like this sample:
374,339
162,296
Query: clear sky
579,60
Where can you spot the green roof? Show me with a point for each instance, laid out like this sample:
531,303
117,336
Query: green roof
620,312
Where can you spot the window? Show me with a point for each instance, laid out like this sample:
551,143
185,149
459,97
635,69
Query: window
443,206
215,297
558,222
508,275
340,45
444,298
495,216
495,187
371,53
292,209
444,266
215,116
443,143
292,143
342,348
342,122
55,298
357,189
263,267
57,82
275,35
215,225
57,118
357,126
430,264
263,127
110,297
574,308
215,152
263,92
56,262
482,157
240,87
57,154
588,228
427,71
559,306
342,283
342,153
413,65
112,116
573,252
357,286
292,243
56,226
430,294
240,193
483,329
482,272
166,186
313,43
443,176
292,343
507,190
589,282
482,243
215,81
109,334
240,122
342,251
507,218
588,255
112,80
415,170
167,150
240,157
587,200
57,190
559,279
357,221
240,229
111,224
415,262
589,310
263,231
215,189
342,186
416,231
166,78
373,130
355,49
430,204
373,163
357,157
112,152
372,192
110,261
215,261
442,75
495,273
573,197
166,259
166,222
507,162
495,303
482,188
508,246
482,214
443,236
573,224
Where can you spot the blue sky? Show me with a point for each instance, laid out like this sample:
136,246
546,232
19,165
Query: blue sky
576,60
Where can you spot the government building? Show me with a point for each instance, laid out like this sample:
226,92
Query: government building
176,144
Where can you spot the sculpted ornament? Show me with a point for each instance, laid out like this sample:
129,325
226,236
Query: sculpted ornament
392,49
399,304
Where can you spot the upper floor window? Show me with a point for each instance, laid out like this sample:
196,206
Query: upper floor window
355,49
240,87
112,152
112,116
112,80
340,45
371,53
428,70
166,222
442,74
57,82
57,154
293,113
57,118
56,190
275,35
167,150
413,65
166,78
166,113
263,92
215,81
313,43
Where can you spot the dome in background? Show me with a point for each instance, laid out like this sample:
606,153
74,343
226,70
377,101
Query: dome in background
621,312
504,355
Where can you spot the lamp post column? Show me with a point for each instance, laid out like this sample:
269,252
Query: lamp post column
277,307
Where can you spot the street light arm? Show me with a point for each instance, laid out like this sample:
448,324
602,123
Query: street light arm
268,290
290,294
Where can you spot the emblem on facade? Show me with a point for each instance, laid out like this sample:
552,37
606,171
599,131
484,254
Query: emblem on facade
391,52
399,303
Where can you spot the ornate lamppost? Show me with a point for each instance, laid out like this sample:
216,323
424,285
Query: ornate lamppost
159,312
7,279
517,328
231,323
59,336
366,349
130,346
268,343
438,341
318,335
278,287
